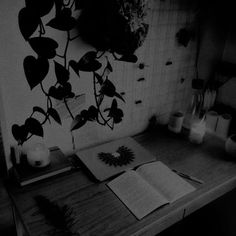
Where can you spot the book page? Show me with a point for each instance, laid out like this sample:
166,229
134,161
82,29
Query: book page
164,180
139,196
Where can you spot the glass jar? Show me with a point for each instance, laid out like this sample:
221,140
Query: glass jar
194,109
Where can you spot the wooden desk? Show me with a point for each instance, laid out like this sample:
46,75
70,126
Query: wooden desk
100,212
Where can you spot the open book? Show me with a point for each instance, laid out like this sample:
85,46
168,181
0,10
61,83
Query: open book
149,187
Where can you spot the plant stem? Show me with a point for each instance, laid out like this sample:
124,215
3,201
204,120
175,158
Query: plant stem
98,57
75,37
66,48
105,122
115,57
43,90
49,102
41,28
72,140
60,56
72,4
68,109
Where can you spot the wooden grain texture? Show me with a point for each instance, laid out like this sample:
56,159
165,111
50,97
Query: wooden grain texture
3,168
6,218
99,212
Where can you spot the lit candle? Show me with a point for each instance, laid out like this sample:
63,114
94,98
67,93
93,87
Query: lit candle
197,131
38,155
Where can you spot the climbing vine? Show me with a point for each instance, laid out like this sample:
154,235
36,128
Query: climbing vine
32,25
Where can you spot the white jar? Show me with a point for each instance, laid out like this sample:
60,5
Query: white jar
197,131
230,145
176,122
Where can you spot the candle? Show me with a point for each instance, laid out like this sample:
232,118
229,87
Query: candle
197,131
175,122
223,124
38,155
211,121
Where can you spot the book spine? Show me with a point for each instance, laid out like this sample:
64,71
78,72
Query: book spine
26,182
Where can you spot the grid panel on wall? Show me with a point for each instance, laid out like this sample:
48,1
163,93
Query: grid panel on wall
170,67
165,80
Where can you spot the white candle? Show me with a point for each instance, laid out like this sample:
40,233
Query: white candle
223,124
38,155
176,122
197,131
211,121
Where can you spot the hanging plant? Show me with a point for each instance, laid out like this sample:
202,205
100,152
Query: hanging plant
115,25
125,21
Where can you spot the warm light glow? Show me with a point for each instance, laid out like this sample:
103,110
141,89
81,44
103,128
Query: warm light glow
38,155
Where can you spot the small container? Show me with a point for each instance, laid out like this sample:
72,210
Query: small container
176,122
230,145
222,127
211,121
194,109
197,131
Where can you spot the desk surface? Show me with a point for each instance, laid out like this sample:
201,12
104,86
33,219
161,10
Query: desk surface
99,212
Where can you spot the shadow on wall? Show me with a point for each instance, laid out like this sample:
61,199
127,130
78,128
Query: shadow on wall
216,18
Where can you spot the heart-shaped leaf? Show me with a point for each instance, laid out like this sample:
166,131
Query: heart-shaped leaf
117,116
128,58
114,105
28,22
43,46
61,72
73,64
63,20
20,133
109,67
55,93
119,96
35,70
54,114
115,113
59,5
84,114
39,7
61,92
108,88
106,72
78,122
40,110
92,113
34,126
89,63
91,55
100,99
99,78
